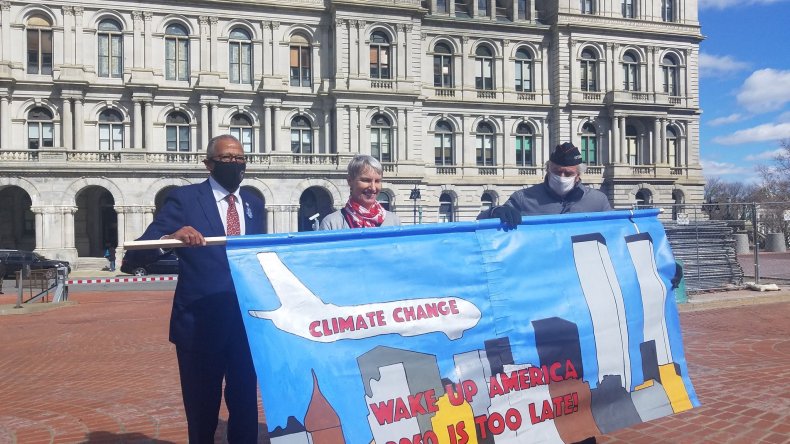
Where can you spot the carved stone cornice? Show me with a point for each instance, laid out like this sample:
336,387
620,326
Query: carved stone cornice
5,6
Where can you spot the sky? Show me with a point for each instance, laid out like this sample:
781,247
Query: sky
744,85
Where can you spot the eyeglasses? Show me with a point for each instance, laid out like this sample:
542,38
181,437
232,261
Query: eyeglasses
229,158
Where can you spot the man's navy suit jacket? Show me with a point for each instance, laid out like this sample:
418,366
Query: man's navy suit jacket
206,311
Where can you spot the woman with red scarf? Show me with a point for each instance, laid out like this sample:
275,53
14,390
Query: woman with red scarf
362,209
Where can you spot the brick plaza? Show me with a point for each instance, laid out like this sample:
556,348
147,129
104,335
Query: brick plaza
102,370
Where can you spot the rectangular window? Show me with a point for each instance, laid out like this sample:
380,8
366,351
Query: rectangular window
48,135
183,60
170,59
482,8
33,136
375,147
484,78
116,51
386,153
522,9
117,137
104,55
32,51
307,141
246,63
183,138
172,138
46,52
523,151
235,60
104,137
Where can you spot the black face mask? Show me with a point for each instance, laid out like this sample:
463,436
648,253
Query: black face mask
229,174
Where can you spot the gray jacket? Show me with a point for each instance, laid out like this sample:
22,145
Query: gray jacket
540,199
336,221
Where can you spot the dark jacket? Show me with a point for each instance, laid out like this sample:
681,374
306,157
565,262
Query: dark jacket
540,199
205,308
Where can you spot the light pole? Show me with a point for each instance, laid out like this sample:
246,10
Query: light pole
415,196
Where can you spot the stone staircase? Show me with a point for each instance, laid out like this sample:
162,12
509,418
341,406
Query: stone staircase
91,263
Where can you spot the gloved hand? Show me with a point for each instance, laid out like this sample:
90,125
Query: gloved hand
508,215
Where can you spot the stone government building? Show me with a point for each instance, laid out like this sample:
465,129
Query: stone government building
104,106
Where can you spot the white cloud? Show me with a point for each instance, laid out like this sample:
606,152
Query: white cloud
784,117
732,118
724,4
712,168
765,90
765,155
717,66
759,133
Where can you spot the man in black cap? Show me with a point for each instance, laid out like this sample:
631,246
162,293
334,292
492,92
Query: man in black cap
561,191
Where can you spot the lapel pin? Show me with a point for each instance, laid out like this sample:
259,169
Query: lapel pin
249,210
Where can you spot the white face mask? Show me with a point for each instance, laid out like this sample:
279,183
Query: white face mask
561,185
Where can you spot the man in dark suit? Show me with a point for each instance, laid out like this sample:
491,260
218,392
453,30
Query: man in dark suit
206,324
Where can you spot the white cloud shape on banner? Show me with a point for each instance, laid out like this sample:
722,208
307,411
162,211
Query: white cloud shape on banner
765,90
304,314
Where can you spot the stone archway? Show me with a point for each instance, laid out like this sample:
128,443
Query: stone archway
313,200
95,222
17,221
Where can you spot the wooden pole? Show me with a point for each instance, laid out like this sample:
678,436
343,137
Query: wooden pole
166,244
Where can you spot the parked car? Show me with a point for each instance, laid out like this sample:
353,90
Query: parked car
15,259
164,264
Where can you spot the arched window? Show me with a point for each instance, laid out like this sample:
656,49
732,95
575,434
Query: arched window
525,141
380,56
177,131
301,135
632,145
628,8
241,128
40,129
442,66
176,52
39,45
484,68
589,71
110,49
644,198
486,201
485,144
668,10
381,138
300,61
110,130
673,147
630,72
443,143
446,210
384,200
669,68
586,6
240,56
589,146
523,66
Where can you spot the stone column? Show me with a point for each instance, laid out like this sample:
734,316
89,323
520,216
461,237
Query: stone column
361,48
121,222
266,47
67,125
623,154
5,36
664,145
68,41
402,125
269,220
267,129
137,40
5,122
78,59
212,112
212,20
204,43
149,126
147,56
203,124
137,124
293,213
79,126
341,28
148,216
276,125
657,149
68,222
615,141
38,213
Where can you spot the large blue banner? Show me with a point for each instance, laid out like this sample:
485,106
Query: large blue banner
456,333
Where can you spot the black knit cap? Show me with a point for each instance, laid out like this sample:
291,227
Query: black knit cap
566,155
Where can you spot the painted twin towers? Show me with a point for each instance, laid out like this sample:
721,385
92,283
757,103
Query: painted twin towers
621,395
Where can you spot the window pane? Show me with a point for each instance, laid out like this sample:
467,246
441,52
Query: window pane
48,135
104,55
170,59
183,60
171,137
295,148
46,52
307,141
183,138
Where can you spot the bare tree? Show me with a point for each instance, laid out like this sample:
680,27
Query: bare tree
775,192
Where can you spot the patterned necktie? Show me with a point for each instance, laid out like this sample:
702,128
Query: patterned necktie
234,227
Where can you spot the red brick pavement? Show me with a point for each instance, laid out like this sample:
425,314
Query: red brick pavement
103,371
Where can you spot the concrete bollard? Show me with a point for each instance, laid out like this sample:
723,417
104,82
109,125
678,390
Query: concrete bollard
741,243
775,242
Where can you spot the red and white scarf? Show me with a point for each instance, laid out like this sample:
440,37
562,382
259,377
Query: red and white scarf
358,216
